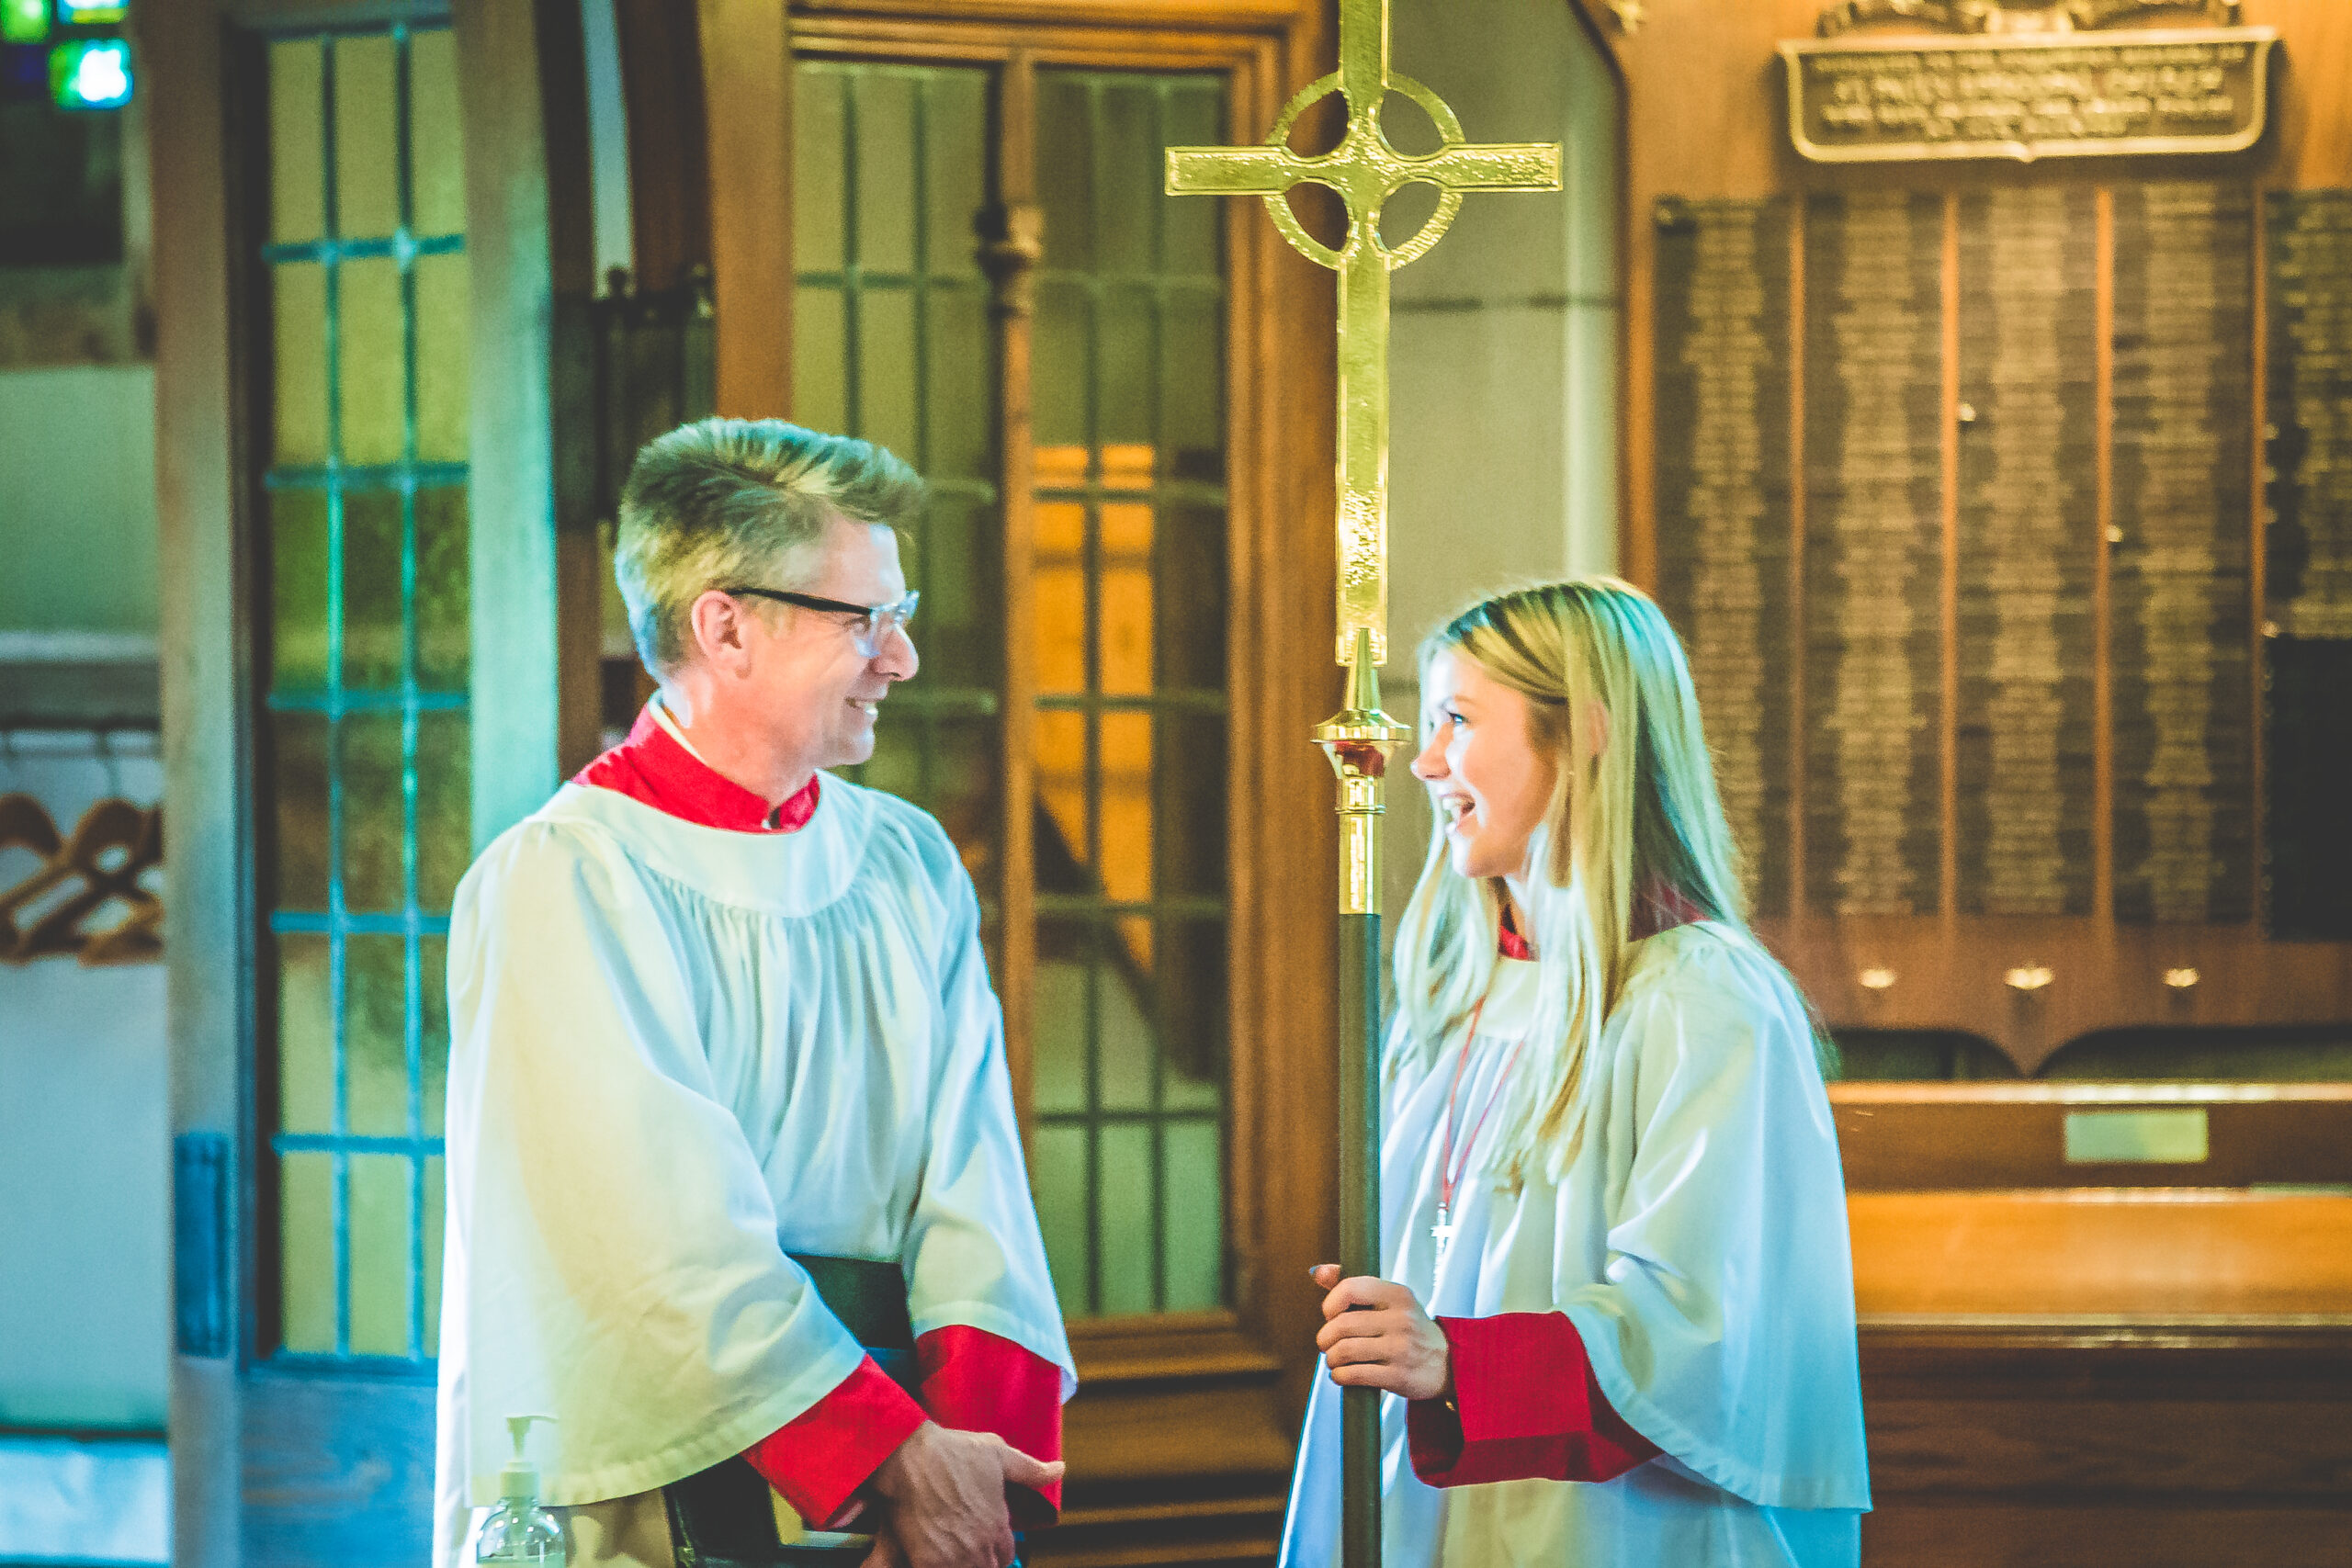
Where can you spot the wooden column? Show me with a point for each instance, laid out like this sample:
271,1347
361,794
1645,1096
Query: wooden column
747,102
1013,242
207,918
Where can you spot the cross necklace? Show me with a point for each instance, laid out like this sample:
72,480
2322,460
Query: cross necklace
1449,1172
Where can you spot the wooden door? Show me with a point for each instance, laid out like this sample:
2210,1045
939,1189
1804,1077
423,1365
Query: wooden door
1121,652
359,529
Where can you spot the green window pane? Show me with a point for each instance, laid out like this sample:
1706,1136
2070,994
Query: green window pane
887,368
1058,356
959,370
1057,1032
1058,1172
367,149
298,185
1126,380
305,1034
375,1035
443,807
1065,179
383,1248
1129,201
306,1251
298,571
819,355
1192,232
884,105
437,1197
960,788
1189,966
1192,1177
372,529
1123,1238
1125,1046
372,360
961,621
444,303
369,616
955,144
298,786
1189,572
436,137
1191,804
299,363
817,165
374,877
432,960
1192,386
443,600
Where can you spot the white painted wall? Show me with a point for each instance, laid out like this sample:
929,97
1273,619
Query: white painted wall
77,499
1503,354
85,1142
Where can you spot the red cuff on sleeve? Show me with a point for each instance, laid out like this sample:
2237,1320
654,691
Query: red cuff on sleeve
821,1456
1528,1409
978,1381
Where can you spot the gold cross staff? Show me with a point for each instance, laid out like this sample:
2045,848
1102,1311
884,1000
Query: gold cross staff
1365,171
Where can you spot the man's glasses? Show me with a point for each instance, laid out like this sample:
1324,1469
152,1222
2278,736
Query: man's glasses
873,627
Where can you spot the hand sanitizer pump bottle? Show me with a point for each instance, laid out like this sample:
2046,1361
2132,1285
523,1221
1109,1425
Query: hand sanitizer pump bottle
518,1529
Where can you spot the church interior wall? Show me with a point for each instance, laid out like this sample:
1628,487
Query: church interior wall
1504,346
85,1229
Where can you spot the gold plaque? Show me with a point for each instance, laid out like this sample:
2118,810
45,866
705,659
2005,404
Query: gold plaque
1872,100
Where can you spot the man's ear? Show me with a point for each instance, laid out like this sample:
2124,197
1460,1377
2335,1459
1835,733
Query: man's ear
715,626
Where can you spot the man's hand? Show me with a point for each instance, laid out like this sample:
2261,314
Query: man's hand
946,1491
1376,1335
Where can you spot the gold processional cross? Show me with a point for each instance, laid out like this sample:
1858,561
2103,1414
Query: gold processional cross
1365,171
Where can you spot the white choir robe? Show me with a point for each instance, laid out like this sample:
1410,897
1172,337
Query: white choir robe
673,1044
1697,1242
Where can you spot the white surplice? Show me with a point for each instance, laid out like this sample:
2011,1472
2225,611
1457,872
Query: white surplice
671,1045
1697,1243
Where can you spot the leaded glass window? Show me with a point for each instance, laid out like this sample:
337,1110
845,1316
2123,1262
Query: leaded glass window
1126,594
364,737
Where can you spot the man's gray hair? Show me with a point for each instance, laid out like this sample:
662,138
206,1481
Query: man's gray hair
723,501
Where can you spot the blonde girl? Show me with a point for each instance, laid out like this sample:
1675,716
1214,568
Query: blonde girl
1618,1311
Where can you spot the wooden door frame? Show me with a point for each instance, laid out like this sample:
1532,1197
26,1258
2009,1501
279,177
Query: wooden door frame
1280,1167
254,1446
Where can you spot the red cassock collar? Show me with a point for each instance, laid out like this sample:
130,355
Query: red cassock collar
651,768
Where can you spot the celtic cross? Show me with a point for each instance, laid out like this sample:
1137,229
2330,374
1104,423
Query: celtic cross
1364,171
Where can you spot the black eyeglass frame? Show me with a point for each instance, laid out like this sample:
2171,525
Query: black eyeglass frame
880,619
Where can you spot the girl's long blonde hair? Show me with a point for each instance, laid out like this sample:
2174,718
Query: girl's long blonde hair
1637,819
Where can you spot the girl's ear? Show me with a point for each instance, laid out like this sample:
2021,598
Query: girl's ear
1595,719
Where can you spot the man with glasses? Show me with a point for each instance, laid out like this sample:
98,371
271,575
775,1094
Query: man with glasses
735,1190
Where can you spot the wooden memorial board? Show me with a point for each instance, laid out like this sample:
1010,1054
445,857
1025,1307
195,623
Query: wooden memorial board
2029,548
2307,601
1873,561
1723,477
2058,96
2181,559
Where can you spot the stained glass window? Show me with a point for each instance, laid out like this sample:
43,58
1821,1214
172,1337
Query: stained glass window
363,730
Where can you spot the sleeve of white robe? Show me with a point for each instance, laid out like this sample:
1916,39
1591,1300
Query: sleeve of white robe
974,1255
1723,1331
618,1267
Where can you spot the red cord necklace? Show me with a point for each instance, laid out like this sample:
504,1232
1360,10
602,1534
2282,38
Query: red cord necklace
1449,1174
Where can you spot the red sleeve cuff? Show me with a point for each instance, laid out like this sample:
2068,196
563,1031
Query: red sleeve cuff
978,1381
825,1454
1525,1408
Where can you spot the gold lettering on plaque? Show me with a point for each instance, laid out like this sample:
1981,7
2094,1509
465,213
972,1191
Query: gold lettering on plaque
2027,97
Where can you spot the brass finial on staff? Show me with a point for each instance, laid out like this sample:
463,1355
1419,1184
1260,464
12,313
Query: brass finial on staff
1364,171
